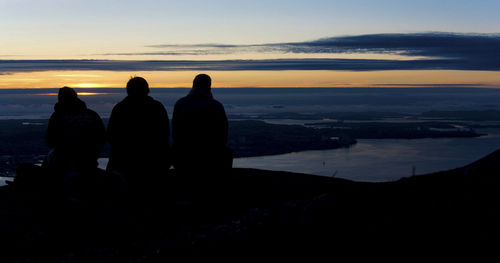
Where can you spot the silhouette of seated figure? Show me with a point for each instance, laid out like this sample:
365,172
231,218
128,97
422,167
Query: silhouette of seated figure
138,131
75,135
200,130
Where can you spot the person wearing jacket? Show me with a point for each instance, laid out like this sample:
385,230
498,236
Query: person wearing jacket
138,132
75,135
200,130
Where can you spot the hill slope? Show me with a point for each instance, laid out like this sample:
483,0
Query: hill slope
253,211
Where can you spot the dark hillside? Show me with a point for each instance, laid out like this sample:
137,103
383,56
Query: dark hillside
253,211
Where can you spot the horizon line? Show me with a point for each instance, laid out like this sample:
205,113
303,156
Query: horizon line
373,86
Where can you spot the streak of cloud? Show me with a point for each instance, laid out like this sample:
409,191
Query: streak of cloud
441,51
449,45
10,66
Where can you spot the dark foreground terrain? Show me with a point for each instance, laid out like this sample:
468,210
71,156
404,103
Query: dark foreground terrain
251,212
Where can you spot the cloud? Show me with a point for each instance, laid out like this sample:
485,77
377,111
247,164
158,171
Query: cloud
10,66
418,44
197,46
446,51
439,44
195,52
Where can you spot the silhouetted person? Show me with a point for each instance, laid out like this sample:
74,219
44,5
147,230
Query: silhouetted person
200,130
138,131
75,135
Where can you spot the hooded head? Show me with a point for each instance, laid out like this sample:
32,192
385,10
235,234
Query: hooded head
137,87
68,100
202,84
66,94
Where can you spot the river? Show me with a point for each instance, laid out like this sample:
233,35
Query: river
377,160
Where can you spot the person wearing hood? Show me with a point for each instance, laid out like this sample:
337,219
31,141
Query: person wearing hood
200,130
139,131
75,135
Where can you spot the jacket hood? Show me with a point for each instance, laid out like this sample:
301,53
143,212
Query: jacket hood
70,105
199,92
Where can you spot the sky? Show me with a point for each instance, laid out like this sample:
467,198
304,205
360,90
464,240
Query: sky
272,43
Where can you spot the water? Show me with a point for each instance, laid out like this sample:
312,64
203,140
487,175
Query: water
378,160
39,103
369,160
3,180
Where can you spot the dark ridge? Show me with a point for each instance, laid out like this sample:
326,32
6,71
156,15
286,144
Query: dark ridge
253,212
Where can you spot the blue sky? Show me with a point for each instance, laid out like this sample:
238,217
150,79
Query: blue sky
59,30
127,24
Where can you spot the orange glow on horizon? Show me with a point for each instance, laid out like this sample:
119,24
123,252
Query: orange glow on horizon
91,85
79,94
258,79
91,93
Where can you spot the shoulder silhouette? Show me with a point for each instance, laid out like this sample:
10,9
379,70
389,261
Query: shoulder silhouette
75,135
200,129
138,131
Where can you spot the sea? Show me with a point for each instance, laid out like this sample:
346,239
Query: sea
379,160
370,160
382,160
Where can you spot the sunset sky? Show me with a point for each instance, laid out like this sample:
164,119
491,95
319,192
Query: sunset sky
272,43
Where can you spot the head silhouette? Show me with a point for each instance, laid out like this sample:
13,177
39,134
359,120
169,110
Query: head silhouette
202,82
137,87
66,94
